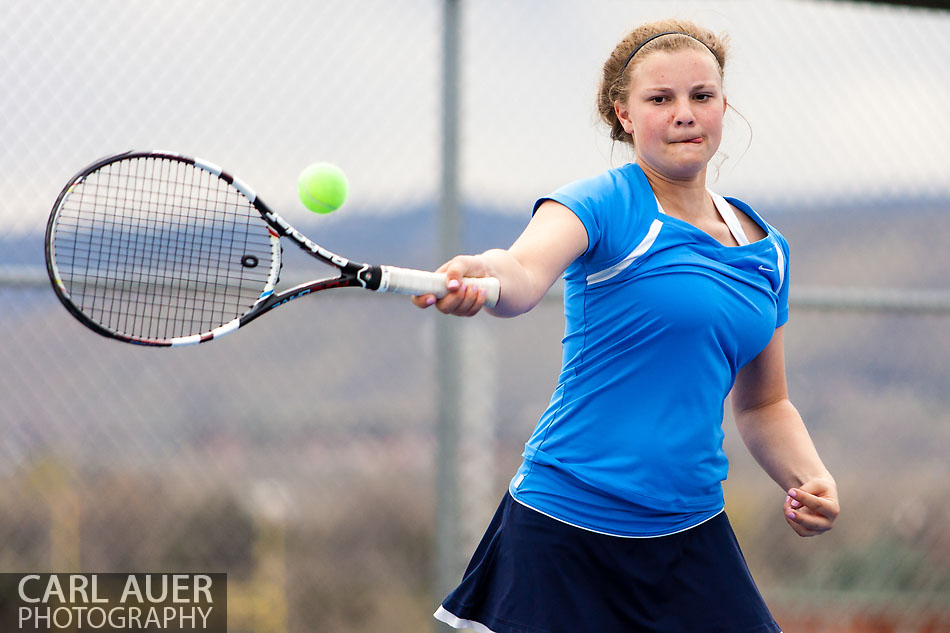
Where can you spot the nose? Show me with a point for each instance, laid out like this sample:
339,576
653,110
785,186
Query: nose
684,117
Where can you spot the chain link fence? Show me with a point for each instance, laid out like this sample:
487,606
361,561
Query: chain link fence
299,455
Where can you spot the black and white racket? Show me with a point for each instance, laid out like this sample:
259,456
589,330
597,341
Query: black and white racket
159,249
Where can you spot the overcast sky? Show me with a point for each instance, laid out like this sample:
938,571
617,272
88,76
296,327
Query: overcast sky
841,100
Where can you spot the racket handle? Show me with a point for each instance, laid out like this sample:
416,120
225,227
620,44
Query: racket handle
419,282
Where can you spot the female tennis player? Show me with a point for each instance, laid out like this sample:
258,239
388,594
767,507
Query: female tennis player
674,297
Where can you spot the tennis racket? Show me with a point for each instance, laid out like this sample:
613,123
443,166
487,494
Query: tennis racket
159,249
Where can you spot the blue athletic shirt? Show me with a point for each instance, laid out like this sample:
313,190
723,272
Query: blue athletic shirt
660,317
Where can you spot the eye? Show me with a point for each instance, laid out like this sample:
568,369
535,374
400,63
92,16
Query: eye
658,99
702,97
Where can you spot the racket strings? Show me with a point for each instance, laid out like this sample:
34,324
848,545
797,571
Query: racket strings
157,248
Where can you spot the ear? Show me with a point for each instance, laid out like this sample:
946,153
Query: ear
725,104
623,115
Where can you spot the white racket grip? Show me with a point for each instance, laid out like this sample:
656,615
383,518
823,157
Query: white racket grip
419,282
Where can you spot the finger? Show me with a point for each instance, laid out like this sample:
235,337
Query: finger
803,531
459,263
803,520
825,507
794,521
469,305
800,530
423,301
453,280
455,295
454,270
806,523
458,267
449,304
479,296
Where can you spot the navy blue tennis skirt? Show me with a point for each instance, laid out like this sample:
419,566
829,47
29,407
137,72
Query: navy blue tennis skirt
534,574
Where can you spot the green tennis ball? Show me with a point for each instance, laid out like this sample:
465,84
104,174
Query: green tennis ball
322,187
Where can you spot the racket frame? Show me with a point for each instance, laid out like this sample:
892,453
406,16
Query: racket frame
352,274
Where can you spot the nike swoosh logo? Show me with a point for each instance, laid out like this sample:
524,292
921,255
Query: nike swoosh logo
766,269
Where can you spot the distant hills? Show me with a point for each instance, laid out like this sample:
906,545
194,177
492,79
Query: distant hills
856,236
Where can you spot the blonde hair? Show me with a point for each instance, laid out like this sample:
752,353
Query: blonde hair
677,35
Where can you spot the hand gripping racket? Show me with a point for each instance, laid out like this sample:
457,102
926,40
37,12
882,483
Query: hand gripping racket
159,249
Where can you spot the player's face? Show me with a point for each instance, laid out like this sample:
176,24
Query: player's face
675,110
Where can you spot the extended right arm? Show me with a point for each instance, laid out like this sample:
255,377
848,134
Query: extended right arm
553,239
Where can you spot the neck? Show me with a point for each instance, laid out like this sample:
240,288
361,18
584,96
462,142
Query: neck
684,198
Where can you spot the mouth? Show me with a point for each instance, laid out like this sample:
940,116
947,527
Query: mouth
694,141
